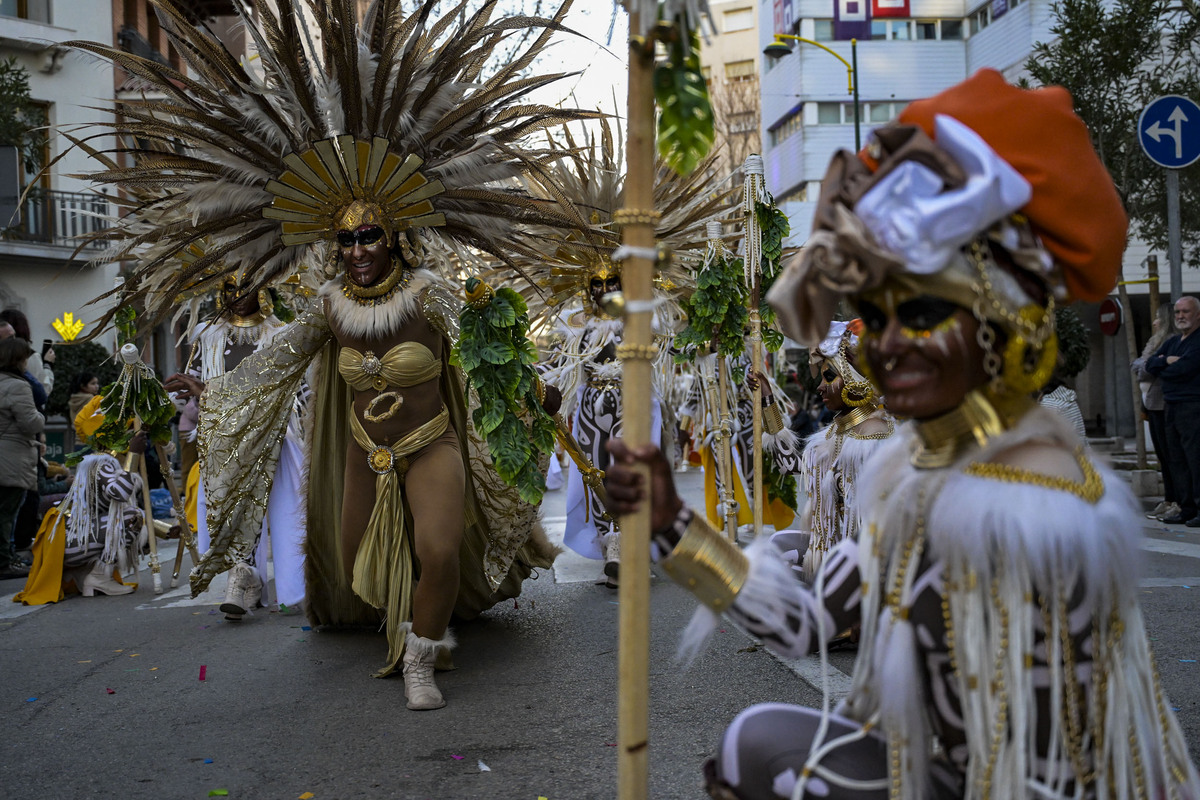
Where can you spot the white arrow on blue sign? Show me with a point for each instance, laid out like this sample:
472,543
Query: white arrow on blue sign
1169,130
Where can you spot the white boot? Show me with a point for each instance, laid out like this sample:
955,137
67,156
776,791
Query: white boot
420,654
243,591
612,559
100,579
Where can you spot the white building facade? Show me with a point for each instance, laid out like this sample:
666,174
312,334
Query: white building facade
906,50
40,273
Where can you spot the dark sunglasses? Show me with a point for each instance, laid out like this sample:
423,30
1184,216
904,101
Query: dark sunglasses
919,314
363,236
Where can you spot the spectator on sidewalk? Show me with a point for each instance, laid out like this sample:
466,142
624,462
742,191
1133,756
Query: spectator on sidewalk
1177,364
1154,406
84,386
20,424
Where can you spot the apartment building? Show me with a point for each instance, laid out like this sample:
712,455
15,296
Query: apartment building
40,271
730,58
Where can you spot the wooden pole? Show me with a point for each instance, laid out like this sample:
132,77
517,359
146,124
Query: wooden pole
1139,428
187,540
754,186
724,440
637,219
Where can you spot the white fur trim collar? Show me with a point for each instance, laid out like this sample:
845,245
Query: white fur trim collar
361,321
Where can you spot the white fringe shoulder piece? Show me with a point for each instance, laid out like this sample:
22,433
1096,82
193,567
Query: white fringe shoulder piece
1012,553
357,320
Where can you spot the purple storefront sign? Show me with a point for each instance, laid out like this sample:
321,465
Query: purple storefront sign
851,19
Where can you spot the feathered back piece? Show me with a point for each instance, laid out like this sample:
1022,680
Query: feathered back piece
255,159
592,174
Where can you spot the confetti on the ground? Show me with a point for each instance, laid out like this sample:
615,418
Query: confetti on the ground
134,655
1187,661
31,700
84,662
306,627
208,761
516,604
111,691
203,671
457,758
1174,708
484,767
306,796
118,651
153,668
218,793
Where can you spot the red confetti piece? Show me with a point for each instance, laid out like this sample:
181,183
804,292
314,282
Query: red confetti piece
203,670
111,691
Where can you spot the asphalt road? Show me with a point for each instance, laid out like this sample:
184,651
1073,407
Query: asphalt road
284,712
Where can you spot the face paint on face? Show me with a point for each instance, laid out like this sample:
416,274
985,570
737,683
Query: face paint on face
831,389
922,350
243,305
365,255
598,287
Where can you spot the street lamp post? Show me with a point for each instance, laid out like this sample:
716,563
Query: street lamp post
780,48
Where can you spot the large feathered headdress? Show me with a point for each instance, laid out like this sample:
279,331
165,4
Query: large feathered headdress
592,174
258,159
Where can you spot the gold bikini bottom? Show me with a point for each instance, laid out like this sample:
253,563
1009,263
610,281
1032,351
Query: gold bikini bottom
383,566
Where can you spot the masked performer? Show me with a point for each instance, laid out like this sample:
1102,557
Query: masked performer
245,324
996,577
92,537
382,142
588,371
831,461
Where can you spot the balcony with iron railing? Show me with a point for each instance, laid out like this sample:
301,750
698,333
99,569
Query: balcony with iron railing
60,219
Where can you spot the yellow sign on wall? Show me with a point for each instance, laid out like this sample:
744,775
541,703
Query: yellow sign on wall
68,327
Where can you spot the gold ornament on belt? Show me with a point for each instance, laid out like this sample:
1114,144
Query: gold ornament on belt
381,460
370,414
342,178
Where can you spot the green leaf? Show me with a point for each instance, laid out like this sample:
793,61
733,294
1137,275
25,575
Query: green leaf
685,121
510,449
500,313
497,352
492,410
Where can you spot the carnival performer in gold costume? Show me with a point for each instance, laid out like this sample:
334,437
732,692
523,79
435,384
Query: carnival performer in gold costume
381,155
586,270
831,461
1004,654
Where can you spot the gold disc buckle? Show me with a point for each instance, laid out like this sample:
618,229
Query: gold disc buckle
381,460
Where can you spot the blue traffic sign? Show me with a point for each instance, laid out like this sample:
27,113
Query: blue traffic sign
1169,130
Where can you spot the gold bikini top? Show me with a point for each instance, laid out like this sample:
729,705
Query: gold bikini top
406,364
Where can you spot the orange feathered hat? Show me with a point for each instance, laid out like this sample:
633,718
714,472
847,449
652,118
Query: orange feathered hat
1075,208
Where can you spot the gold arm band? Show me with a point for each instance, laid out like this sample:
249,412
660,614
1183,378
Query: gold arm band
685,422
772,419
708,565
646,352
636,216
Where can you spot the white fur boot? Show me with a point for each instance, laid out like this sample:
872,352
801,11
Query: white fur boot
243,591
420,655
612,559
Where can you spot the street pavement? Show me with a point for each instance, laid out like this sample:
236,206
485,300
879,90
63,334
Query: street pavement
104,697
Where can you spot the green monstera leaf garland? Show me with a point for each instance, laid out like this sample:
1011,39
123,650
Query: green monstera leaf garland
137,392
497,356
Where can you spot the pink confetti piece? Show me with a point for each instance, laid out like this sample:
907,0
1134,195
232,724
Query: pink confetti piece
111,691
203,671
457,758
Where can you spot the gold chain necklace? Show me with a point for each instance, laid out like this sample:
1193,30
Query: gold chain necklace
381,292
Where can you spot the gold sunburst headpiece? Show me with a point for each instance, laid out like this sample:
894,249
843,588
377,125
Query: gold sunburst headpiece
341,183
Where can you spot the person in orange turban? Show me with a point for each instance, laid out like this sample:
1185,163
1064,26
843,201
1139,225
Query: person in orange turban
1003,652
